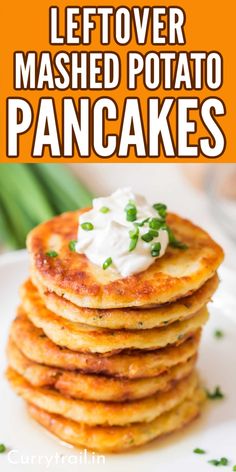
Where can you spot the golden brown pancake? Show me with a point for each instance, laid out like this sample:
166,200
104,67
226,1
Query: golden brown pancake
129,318
120,438
94,387
103,413
177,274
81,337
129,364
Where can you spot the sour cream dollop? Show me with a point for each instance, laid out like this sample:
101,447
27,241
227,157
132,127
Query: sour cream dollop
106,236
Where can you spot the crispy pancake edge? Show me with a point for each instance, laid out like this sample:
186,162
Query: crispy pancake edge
120,438
129,318
94,387
103,413
129,364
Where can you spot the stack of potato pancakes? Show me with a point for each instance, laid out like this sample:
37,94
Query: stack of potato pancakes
105,362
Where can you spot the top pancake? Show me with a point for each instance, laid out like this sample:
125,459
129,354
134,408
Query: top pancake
177,274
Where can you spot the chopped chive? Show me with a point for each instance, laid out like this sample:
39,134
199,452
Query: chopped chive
223,461
161,209
179,245
131,215
133,243
147,237
107,263
234,468
51,254
150,235
155,223
142,223
2,448
104,210
155,253
198,450
154,233
218,333
87,226
170,234
216,394
173,241
155,249
131,211
134,232
215,462
72,245
134,235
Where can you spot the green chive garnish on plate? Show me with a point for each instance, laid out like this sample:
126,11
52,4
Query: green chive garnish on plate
215,462
2,448
51,254
72,245
87,226
107,263
218,333
215,394
223,461
104,210
198,450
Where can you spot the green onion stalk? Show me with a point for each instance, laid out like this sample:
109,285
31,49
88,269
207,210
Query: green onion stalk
33,193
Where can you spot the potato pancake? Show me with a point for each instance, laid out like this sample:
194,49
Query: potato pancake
120,438
175,275
103,413
129,364
129,318
85,338
94,387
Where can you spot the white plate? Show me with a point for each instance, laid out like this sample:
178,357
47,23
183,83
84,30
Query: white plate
215,431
